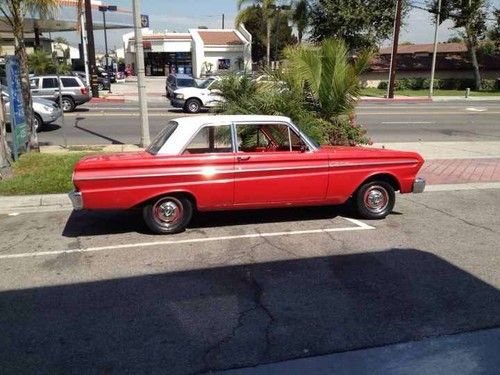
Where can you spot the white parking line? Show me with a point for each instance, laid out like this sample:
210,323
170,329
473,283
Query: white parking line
408,122
359,226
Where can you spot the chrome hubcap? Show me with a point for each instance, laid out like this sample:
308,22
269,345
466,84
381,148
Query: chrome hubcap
168,212
376,199
66,105
193,107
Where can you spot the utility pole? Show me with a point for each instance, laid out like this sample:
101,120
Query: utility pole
394,54
141,79
91,49
434,52
84,48
222,21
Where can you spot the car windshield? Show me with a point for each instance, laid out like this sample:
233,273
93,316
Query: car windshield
205,84
186,82
162,137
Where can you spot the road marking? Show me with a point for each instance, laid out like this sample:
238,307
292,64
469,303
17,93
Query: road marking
359,226
14,214
473,109
408,122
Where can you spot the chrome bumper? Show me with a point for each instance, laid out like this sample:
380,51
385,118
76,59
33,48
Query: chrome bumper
418,185
76,199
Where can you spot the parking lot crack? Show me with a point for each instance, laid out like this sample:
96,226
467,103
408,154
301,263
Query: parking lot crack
454,216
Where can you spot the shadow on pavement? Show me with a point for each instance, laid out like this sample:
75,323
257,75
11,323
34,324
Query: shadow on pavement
94,223
50,127
234,316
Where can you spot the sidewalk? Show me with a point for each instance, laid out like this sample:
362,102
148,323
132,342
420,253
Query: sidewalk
448,166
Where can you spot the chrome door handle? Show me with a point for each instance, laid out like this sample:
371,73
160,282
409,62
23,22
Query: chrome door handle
243,158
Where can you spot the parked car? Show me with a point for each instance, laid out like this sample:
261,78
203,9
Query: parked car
74,91
44,111
177,81
110,74
103,83
194,99
208,163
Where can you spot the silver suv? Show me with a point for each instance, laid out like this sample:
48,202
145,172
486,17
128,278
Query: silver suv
74,92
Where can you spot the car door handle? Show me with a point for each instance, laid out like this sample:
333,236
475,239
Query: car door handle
243,158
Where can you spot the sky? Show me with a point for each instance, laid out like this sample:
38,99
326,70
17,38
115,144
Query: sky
180,15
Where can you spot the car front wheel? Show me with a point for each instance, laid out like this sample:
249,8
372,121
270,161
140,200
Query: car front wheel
37,122
375,200
168,215
192,106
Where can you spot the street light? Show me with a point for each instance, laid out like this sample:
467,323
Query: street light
104,9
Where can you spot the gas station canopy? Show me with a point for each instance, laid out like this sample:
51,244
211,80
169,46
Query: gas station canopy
65,17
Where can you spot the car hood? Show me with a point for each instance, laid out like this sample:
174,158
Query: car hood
191,91
359,152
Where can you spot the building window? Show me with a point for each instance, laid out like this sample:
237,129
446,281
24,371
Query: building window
224,64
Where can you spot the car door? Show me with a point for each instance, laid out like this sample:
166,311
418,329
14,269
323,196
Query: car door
208,161
273,165
48,88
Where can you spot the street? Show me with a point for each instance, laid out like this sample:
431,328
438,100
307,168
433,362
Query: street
116,123
95,292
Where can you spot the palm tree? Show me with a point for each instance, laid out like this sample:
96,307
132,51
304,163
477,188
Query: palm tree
300,17
268,7
328,75
14,12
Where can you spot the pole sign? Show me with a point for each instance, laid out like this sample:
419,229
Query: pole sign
17,119
144,20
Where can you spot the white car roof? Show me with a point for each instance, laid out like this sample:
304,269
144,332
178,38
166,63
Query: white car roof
189,126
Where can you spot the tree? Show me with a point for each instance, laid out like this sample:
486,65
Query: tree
256,24
318,89
359,23
469,16
14,12
40,63
494,31
267,8
300,17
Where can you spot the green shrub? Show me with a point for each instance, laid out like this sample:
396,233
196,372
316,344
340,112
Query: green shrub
489,84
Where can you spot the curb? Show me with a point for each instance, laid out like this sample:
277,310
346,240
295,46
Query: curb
107,100
14,205
396,100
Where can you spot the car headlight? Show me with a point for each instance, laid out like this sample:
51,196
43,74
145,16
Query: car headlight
179,96
46,108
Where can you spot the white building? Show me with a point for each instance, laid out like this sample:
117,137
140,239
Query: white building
199,52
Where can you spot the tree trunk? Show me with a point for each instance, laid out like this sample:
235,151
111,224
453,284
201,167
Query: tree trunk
471,46
268,42
20,51
5,153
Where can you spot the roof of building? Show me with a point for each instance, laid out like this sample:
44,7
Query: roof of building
426,48
219,37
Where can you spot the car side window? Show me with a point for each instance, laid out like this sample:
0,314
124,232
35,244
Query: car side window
267,138
49,83
211,139
69,82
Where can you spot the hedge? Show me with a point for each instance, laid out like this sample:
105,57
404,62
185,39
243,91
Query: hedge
443,84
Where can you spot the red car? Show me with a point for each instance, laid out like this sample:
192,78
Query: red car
210,163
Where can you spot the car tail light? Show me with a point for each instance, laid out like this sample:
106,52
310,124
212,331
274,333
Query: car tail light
84,90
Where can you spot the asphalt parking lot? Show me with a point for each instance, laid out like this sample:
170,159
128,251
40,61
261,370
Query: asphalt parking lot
95,292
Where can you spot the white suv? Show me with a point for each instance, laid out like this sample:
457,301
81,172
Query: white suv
194,99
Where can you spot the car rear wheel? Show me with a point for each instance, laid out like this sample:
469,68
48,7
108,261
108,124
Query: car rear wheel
68,105
100,86
37,122
168,215
192,106
375,200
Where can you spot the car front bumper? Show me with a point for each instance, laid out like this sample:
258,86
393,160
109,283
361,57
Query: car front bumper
76,199
418,185
48,117
177,103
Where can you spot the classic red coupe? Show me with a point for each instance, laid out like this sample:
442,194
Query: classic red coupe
210,163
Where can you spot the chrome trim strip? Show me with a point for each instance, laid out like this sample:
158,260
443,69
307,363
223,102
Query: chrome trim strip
340,164
211,171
